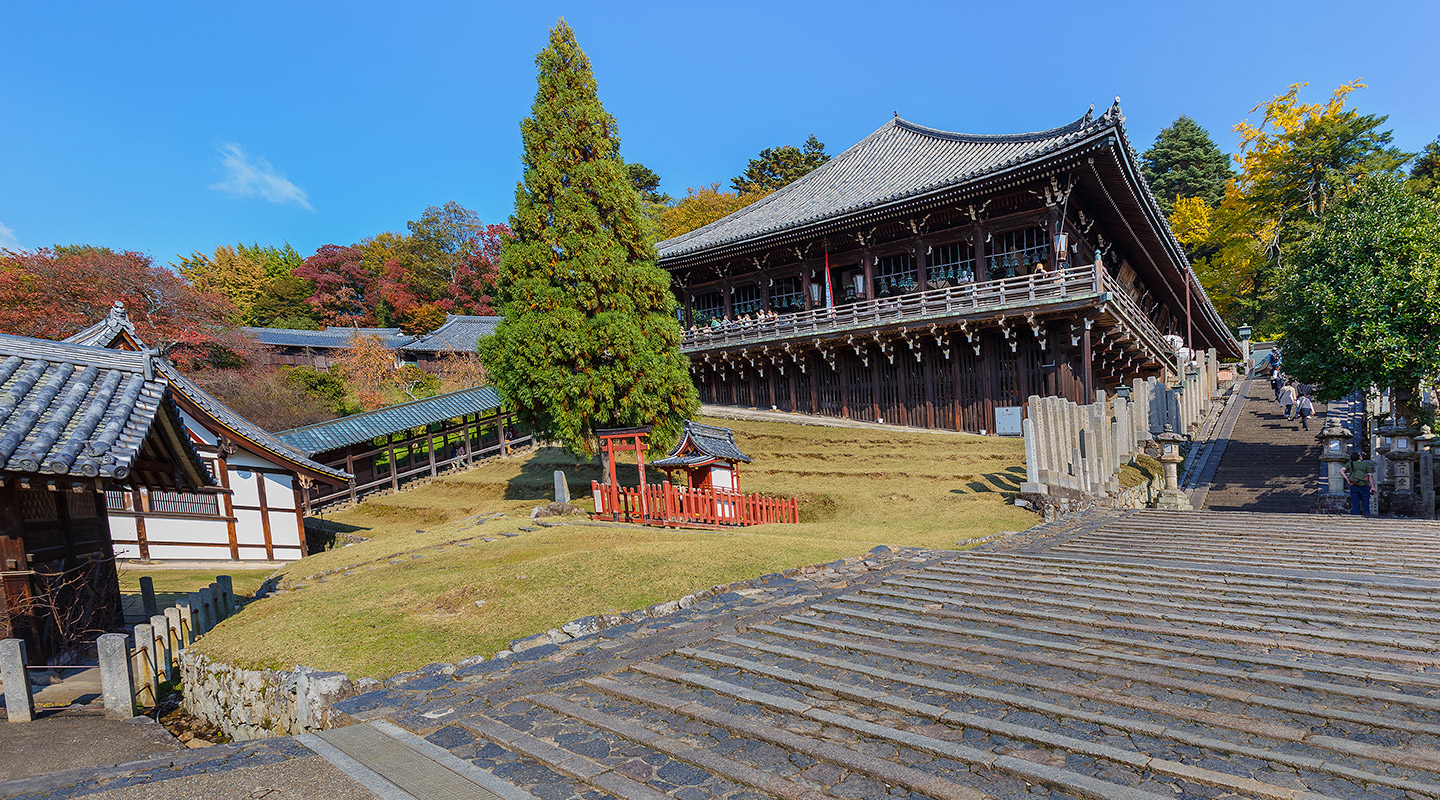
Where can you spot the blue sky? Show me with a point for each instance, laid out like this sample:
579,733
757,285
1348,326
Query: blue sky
173,127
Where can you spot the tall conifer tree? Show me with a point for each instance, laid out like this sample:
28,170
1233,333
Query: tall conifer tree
1185,162
590,338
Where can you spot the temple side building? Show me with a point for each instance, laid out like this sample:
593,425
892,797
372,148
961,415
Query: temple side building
938,279
320,349
257,514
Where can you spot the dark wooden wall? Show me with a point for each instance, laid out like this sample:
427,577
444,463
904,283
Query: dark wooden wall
956,393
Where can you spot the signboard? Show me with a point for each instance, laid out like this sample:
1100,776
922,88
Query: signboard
1007,420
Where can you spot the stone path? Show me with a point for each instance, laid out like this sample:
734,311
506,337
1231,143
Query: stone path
1135,655
1269,463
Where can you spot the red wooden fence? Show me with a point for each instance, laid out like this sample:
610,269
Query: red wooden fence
680,507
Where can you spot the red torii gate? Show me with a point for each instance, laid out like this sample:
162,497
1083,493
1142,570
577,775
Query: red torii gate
624,440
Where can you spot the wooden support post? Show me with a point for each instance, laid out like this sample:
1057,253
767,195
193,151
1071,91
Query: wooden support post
869,265
264,516
140,504
394,467
350,468
922,263
1087,369
430,450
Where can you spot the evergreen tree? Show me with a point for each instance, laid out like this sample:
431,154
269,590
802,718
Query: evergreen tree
779,166
1185,162
1425,175
589,338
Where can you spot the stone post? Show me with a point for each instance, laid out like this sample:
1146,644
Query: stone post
147,595
1032,484
145,640
1171,498
562,487
217,604
186,609
1333,438
227,592
207,610
19,702
177,632
165,665
115,682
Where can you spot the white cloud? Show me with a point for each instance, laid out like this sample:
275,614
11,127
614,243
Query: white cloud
7,238
253,176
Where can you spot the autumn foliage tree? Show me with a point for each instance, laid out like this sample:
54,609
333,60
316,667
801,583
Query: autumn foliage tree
345,292
702,206
51,293
589,338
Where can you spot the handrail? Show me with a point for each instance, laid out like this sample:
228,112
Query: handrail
949,300
1145,328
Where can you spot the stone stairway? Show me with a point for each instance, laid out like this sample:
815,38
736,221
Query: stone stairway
1130,655
1268,463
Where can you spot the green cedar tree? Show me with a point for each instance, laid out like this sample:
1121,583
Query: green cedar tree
1425,175
589,338
779,166
1185,162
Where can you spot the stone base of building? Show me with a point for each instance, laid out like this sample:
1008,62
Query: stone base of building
1173,500
1407,504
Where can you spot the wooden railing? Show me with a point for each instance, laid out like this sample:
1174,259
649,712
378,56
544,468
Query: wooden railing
1142,328
967,298
673,506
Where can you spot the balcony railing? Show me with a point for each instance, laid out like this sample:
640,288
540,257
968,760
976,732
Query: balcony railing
1023,290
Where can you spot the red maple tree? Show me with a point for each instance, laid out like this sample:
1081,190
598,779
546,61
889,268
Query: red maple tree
52,293
345,292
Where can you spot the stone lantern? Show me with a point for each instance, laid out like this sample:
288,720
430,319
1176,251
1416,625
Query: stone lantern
1171,498
1404,466
1333,438
1245,333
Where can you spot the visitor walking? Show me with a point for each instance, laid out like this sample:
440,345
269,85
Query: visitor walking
1360,476
1287,399
1304,407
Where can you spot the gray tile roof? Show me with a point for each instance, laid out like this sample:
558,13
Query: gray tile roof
328,339
900,160
102,333
325,436
81,411
709,440
459,334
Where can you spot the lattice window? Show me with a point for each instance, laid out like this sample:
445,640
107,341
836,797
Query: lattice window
80,505
746,300
953,264
787,295
117,501
185,503
894,275
705,307
1016,252
37,504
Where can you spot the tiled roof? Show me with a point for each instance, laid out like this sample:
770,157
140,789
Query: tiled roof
900,160
710,440
459,334
328,339
102,333
324,436
81,411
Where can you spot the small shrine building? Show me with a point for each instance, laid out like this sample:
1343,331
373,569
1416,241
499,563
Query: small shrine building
708,456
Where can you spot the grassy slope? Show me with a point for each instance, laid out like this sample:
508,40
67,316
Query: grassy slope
860,488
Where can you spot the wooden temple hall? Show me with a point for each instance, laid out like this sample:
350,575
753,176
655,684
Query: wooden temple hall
939,279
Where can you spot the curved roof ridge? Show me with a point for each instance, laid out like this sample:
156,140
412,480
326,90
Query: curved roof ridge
1030,136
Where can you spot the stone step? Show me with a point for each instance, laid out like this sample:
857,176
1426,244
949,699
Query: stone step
1335,598
873,642
1281,637
1261,522
1180,557
1328,555
1096,586
1391,587
1425,703
708,760
1037,728
1375,540
826,713
939,784
791,713
1149,606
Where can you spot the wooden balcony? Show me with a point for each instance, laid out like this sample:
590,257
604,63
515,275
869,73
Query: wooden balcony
1077,287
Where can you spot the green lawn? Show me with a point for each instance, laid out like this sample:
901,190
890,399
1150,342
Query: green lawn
172,585
858,488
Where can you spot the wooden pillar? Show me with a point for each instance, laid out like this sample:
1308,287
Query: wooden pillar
350,468
140,503
430,449
977,251
805,286
875,388
986,365
394,466
1087,367
300,505
929,393
229,498
689,318
922,262
764,292
955,390
264,515
465,431
869,264
725,298
504,440
793,404
1053,225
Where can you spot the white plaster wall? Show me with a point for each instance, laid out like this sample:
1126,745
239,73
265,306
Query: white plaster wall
242,483
280,490
248,528
188,531
122,533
